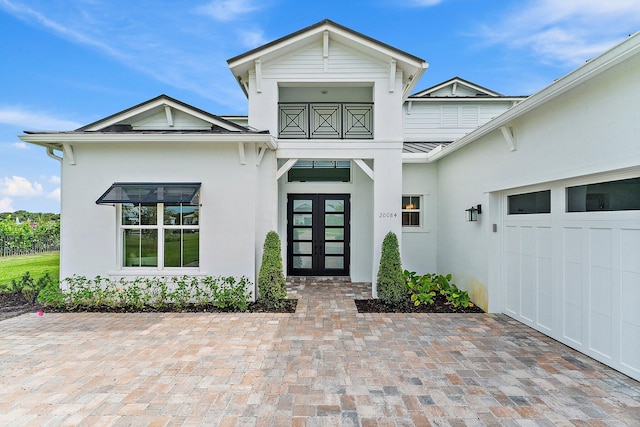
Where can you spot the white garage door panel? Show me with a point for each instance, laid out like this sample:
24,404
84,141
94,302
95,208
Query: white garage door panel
630,336
573,294
576,277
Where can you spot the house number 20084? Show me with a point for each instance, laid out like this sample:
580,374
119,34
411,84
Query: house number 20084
387,215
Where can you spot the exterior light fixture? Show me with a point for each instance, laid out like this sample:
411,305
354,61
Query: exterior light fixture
473,212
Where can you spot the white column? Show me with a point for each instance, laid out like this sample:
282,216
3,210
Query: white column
387,203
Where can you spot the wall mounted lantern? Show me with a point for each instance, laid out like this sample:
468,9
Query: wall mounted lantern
473,212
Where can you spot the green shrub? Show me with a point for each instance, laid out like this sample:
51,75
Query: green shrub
28,287
272,285
391,285
422,289
225,293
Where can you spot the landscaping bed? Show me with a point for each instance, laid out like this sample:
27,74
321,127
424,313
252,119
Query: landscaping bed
14,304
440,305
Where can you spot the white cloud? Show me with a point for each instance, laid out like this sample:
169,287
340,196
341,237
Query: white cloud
34,120
55,194
564,33
198,50
18,186
6,204
227,10
20,145
54,179
251,39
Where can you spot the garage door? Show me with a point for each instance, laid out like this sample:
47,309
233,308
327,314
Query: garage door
571,266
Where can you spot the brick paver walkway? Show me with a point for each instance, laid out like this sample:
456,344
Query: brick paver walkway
324,365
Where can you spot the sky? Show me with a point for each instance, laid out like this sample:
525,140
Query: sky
67,63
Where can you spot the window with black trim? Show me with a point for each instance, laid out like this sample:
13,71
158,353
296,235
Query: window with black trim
159,223
411,211
320,171
620,195
538,202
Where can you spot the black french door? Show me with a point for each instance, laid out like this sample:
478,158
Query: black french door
318,235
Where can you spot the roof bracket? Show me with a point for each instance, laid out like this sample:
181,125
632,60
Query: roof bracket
70,153
365,168
258,76
392,75
261,151
169,113
285,168
507,133
325,50
243,158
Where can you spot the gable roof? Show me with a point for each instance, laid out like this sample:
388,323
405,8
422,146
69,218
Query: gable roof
155,105
412,65
454,83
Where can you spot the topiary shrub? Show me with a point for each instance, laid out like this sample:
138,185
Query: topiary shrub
391,284
272,286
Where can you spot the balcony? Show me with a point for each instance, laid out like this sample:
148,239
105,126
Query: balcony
325,120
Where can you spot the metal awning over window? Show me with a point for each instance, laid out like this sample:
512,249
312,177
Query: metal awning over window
151,193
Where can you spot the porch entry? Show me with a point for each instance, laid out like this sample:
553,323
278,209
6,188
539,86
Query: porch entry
318,234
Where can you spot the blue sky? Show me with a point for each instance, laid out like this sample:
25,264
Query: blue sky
66,63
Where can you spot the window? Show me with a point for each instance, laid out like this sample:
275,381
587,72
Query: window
621,195
320,171
411,211
538,202
159,223
160,235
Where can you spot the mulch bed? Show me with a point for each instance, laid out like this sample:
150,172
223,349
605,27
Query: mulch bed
439,305
14,304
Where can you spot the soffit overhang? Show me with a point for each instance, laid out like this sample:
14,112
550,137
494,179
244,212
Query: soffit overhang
56,140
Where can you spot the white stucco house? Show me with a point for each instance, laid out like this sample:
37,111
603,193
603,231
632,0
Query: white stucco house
336,152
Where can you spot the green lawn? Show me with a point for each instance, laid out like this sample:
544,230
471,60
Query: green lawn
14,267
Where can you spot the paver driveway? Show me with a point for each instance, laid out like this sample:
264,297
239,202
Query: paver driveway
324,365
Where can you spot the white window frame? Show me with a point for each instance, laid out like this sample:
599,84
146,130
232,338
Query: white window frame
420,211
160,227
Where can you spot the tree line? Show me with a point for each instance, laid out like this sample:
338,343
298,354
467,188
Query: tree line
23,232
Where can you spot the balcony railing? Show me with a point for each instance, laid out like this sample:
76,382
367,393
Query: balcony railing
325,120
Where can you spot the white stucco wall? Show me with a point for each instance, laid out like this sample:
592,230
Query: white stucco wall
419,244
235,209
590,129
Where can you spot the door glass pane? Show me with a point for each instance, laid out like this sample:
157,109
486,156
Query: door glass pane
334,205
301,262
301,234
336,248
334,234
333,219
304,248
302,219
333,262
302,205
